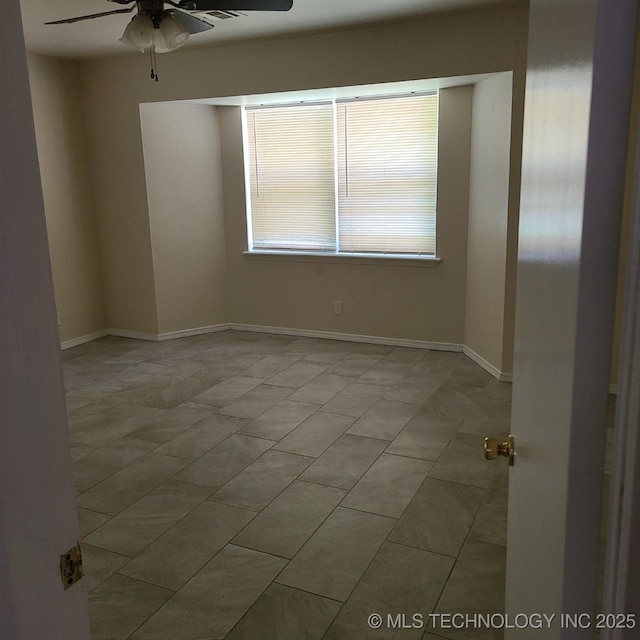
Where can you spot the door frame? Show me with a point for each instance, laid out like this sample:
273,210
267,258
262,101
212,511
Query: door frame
622,559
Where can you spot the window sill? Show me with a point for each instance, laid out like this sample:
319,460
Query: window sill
379,259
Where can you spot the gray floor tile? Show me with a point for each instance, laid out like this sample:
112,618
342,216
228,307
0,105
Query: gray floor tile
345,461
406,354
424,437
223,462
269,366
224,368
491,522
439,517
355,400
298,374
470,374
438,362
319,345
388,486
174,391
98,564
120,605
386,372
463,461
315,435
80,450
184,549
123,451
369,349
384,420
335,557
327,357
476,586
117,379
263,480
354,364
202,437
414,388
494,401
287,523
147,519
399,581
74,403
173,422
90,521
280,420
321,389
407,401
89,471
227,391
282,613
103,462
215,599
454,401
122,489
257,401
496,426
100,422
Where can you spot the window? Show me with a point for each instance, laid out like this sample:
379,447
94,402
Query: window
354,177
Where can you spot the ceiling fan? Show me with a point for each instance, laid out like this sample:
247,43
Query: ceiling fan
158,29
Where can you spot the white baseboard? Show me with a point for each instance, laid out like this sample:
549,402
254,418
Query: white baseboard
348,337
171,335
185,333
136,335
487,366
306,333
75,342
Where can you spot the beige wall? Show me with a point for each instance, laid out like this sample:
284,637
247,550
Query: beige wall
380,297
184,194
395,301
488,217
64,166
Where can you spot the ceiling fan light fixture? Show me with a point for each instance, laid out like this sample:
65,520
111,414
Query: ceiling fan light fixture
143,34
170,36
139,33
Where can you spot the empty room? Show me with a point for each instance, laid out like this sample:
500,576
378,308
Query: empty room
276,296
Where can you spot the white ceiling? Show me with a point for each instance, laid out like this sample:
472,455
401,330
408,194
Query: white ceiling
99,37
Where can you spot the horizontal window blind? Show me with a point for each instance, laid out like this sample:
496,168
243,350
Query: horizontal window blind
387,174
357,176
292,177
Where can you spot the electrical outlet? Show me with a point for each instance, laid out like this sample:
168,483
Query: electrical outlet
337,307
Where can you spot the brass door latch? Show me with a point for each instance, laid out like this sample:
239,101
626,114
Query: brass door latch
494,449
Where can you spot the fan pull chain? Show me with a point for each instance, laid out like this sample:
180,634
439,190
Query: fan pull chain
154,72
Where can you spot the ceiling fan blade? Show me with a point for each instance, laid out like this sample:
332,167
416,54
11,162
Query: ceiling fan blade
91,16
240,5
191,23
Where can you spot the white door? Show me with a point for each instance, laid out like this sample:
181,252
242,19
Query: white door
578,94
38,516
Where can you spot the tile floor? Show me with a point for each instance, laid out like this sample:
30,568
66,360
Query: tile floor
250,486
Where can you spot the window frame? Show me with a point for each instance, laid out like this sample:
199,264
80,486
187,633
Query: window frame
346,257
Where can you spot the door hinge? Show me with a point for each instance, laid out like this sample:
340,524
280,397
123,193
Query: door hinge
71,566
